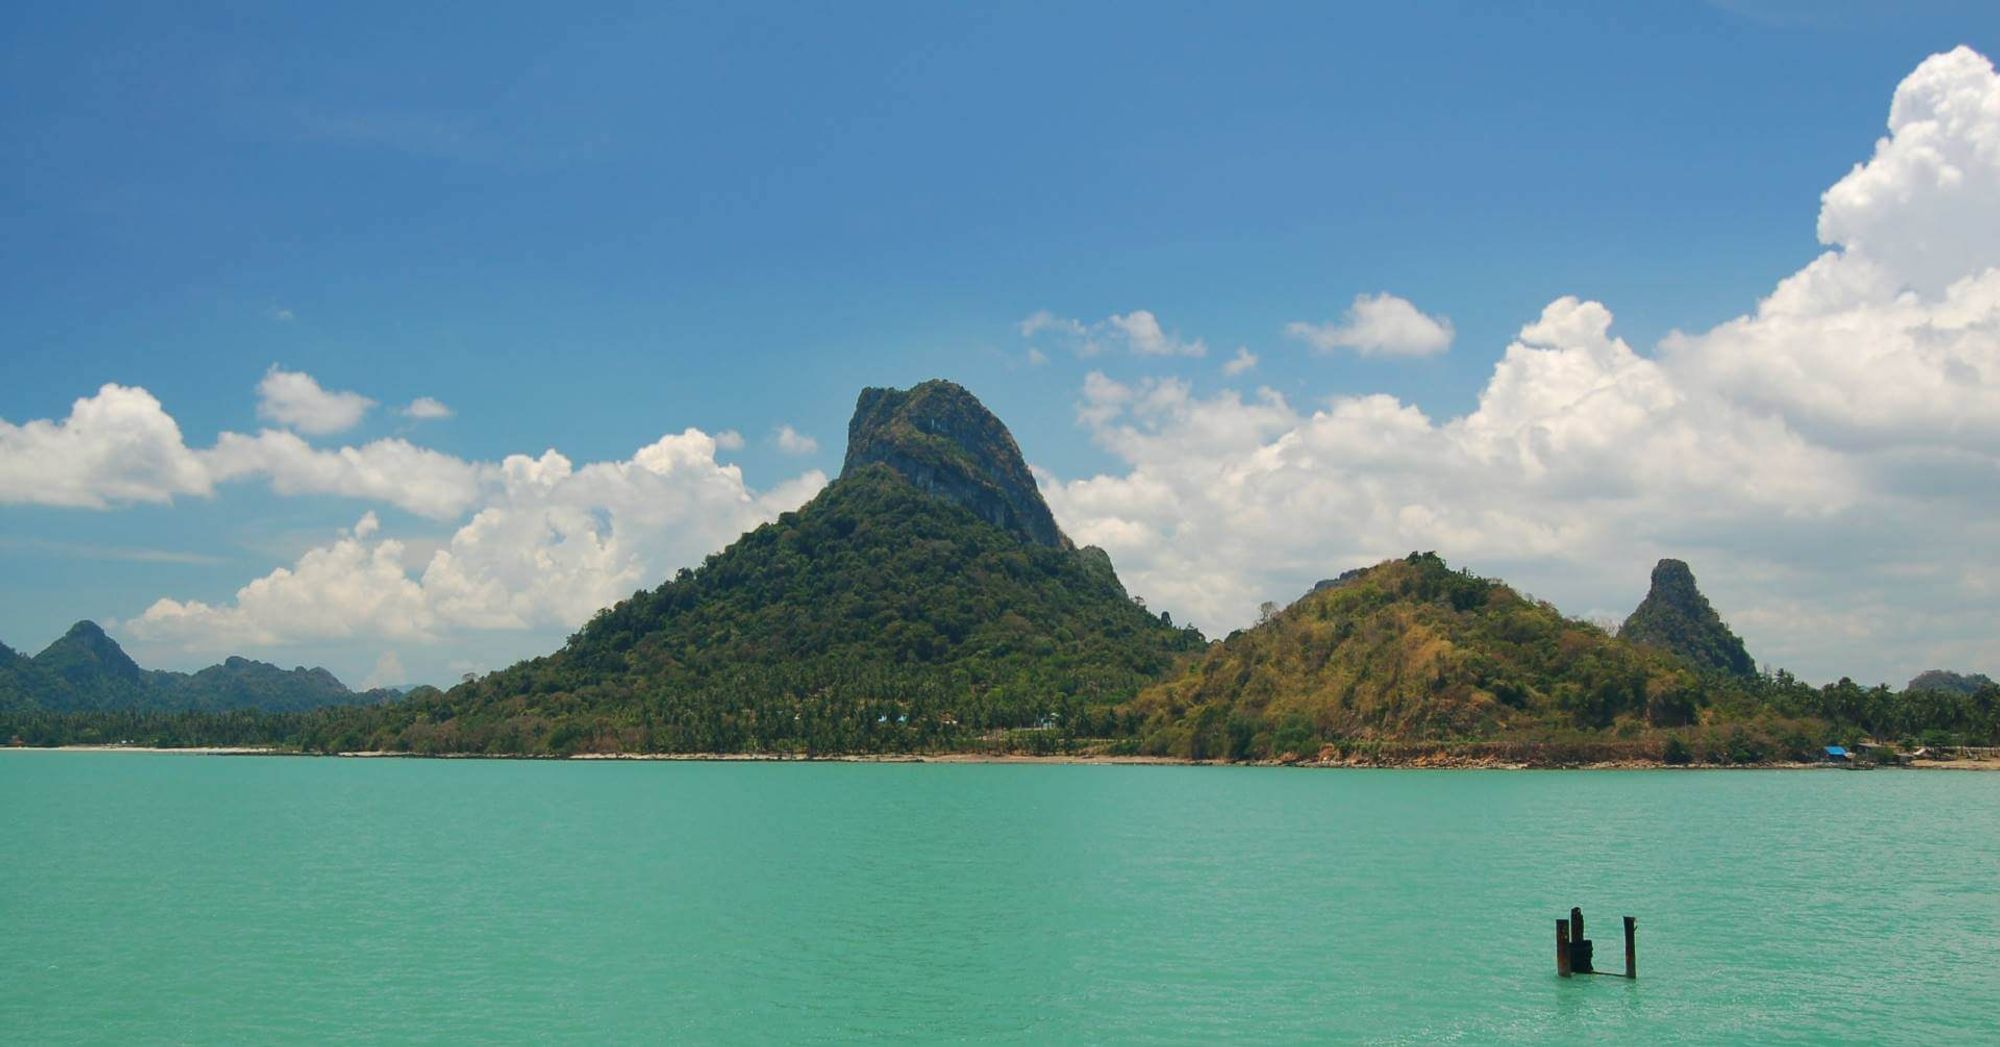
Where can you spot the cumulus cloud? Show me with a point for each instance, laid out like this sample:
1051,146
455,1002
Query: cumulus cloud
1378,325
355,586
541,542
549,544
394,471
1138,332
388,672
116,447
121,446
295,400
1243,362
1926,206
1142,332
425,409
791,441
1827,461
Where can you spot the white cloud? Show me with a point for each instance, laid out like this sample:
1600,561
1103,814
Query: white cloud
1142,332
352,587
120,446
425,408
1378,325
1830,463
1926,206
1243,362
116,447
394,471
295,400
1042,320
388,672
791,441
1138,332
548,545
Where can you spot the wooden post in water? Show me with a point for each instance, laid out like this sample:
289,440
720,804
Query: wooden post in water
1562,948
1631,948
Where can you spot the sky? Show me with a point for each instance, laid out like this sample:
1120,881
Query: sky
399,341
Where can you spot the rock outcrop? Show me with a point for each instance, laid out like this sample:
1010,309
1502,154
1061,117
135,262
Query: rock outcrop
1676,617
940,438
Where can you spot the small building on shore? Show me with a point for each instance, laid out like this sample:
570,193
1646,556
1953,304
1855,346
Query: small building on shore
1837,754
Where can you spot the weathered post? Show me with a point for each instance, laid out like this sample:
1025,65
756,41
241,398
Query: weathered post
1631,948
1580,961
1562,948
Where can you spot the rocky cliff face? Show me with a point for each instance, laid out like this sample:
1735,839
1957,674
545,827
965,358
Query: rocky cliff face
940,438
1676,617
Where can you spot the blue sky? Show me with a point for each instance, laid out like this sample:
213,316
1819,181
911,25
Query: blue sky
583,229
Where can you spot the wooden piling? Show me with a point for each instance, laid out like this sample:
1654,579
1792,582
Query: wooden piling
1562,948
1631,948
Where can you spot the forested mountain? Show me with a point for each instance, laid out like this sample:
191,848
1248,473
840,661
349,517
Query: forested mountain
85,670
88,670
1676,617
1409,649
921,598
1951,682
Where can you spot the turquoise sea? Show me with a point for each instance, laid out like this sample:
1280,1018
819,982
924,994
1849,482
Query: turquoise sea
245,899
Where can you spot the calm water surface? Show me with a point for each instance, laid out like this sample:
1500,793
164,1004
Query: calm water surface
203,899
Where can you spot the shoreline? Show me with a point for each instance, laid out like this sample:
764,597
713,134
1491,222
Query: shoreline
1431,762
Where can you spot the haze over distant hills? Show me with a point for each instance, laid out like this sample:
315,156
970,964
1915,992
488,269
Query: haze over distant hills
86,670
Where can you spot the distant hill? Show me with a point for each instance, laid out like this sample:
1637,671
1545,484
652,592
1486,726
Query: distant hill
1408,649
1676,617
923,596
1946,680
90,671
85,670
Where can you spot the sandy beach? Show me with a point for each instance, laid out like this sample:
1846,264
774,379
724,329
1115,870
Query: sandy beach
1432,761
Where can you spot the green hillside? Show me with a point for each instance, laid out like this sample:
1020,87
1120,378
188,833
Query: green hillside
86,671
1410,650
20,683
889,613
